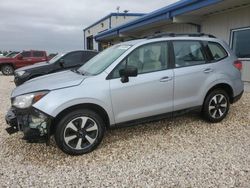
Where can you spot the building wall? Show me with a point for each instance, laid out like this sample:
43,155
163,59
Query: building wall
221,25
95,30
118,20
115,21
180,28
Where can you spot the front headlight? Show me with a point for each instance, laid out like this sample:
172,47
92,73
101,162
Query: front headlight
25,101
20,73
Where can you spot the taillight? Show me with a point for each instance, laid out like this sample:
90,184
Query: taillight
238,65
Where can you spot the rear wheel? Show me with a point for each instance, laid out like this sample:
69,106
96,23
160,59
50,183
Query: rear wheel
79,132
216,106
7,70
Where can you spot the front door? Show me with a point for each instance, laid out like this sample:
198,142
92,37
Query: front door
148,94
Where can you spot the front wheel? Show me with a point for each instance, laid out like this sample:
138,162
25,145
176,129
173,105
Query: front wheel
216,106
7,70
79,132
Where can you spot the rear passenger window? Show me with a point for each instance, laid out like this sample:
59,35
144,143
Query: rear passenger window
217,51
188,53
72,59
26,54
38,54
88,55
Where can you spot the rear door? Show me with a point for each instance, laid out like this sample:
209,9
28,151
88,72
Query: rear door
148,94
38,56
192,73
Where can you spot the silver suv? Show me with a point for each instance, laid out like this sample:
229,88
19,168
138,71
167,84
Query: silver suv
128,83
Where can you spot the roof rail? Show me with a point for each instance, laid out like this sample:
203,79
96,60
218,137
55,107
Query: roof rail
165,34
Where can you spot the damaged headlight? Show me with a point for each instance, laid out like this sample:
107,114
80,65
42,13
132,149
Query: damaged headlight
38,120
25,101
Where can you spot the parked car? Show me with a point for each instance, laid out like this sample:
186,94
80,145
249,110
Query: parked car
9,64
128,83
63,61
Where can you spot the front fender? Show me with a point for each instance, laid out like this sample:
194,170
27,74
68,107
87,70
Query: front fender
58,100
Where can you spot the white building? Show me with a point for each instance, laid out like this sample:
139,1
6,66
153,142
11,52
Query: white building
108,22
225,19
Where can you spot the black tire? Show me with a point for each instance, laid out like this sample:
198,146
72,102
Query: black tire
65,132
213,112
7,70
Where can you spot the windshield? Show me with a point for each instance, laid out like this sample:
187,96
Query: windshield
101,61
54,59
12,54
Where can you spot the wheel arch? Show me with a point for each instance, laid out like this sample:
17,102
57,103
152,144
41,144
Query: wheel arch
91,106
224,86
7,63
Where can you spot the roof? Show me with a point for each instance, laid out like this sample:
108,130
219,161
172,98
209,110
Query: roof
114,14
165,13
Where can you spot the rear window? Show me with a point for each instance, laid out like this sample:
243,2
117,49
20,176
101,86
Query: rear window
38,54
217,51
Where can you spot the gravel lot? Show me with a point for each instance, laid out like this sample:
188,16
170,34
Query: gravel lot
184,152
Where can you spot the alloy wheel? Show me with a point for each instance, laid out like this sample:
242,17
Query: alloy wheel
218,106
80,133
7,70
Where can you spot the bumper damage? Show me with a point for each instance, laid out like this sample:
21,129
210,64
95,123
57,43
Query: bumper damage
34,124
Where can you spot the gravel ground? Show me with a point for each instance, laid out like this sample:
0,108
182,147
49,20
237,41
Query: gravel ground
184,152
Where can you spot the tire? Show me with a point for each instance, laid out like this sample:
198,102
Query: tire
7,70
79,132
216,106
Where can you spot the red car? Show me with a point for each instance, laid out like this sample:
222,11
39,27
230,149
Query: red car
9,64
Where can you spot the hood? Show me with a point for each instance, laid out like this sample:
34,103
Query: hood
41,64
49,82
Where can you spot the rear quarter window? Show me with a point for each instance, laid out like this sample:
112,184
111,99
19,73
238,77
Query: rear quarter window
217,51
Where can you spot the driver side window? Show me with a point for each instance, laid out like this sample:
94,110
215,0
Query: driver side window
147,58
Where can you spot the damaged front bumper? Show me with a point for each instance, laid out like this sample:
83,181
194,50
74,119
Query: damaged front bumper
34,124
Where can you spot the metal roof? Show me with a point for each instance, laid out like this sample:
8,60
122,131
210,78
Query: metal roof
165,13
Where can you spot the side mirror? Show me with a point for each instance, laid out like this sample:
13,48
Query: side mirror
20,57
129,71
61,62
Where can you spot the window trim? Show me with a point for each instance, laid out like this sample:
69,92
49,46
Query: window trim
169,66
232,36
202,50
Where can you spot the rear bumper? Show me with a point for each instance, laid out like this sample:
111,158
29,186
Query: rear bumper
34,124
237,97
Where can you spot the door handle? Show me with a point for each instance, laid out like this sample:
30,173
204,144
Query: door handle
208,70
165,79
